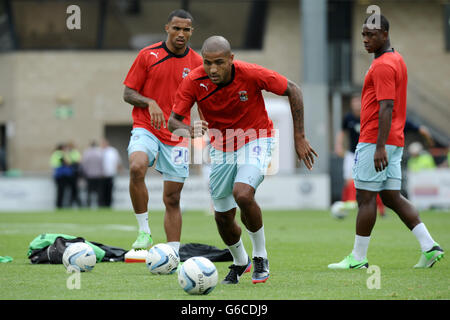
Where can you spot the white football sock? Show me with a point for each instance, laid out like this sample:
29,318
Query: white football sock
175,245
360,247
237,250
259,243
142,219
423,236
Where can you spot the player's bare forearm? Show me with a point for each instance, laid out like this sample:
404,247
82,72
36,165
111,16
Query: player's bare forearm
296,102
384,122
302,147
134,98
178,127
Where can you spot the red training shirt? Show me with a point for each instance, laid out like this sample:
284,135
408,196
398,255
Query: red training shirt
235,112
156,73
386,79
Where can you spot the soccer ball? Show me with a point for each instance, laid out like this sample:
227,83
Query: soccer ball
162,259
338,210
79,256
198,275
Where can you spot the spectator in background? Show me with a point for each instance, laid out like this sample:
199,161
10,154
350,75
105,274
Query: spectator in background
112,164
446,164
448,159
75,158
419,159
92,168
411,126
60,163
2,159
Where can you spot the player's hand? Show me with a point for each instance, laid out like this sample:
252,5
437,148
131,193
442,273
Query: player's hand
305,152
380,159
199,128
156,115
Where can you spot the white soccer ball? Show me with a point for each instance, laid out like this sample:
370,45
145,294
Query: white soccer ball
198,275
338,210
162,259
79,256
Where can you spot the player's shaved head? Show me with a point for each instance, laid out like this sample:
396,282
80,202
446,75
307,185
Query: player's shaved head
216,44
217,59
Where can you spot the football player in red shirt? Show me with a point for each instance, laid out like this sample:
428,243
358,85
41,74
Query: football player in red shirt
150,87
379,151
228,95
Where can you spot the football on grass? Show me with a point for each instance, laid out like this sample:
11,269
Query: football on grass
79,256
198,275
162,259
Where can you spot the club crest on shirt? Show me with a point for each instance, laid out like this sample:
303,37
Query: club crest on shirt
186,72
243,96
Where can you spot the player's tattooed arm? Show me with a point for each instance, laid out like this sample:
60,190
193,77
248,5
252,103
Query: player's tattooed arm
134,98
178,127
302,147
296,102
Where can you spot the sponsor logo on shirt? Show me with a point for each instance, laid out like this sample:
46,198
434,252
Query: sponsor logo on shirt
204,86
154,53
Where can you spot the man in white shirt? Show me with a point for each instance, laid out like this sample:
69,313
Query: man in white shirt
112,163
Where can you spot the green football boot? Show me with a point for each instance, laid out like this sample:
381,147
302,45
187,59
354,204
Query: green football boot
349,262
430,257
143,241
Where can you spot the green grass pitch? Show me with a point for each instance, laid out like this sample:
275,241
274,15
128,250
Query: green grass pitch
300,245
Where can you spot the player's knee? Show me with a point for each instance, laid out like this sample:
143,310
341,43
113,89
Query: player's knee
387,201
137,170
243,198
172,200
390,199
366,198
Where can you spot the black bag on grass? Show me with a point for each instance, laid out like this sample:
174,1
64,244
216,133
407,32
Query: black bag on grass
53,253
189,250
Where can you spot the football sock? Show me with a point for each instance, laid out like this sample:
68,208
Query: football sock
259,243
423,236
237,250
360,247
142,219
175,245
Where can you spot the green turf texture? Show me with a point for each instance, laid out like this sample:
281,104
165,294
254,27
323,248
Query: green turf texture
300,245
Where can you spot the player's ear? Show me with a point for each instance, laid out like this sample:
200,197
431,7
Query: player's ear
167,28
231,57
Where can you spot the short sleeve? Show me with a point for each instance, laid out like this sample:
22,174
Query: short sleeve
271,81
384,82
137,74
184,98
